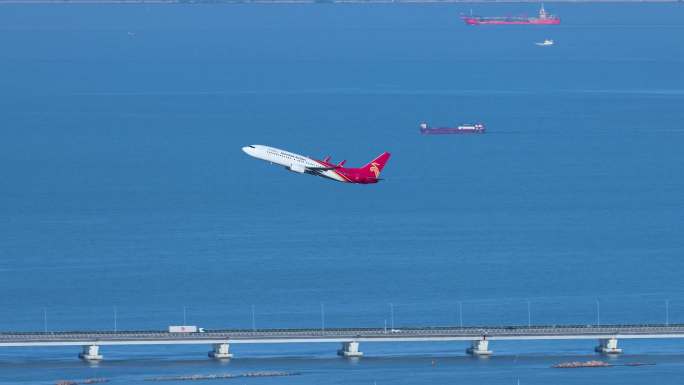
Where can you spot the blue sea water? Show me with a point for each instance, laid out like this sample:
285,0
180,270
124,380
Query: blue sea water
123,188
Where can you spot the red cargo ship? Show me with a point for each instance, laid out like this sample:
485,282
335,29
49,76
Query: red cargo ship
543,19
477,128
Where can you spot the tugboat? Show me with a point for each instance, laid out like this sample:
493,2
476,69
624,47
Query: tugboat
476,128
543,19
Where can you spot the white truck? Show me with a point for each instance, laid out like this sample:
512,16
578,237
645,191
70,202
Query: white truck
185,329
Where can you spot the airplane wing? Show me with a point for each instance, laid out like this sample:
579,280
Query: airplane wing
321,168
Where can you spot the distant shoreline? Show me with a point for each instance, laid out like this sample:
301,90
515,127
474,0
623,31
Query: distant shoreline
199,2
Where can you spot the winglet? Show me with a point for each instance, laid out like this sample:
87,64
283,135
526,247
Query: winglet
326,159
341,163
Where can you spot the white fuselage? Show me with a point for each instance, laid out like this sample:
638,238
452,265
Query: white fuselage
291,161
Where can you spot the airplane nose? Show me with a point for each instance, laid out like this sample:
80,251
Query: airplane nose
248,150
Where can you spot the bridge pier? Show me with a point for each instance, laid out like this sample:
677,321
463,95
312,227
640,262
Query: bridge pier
221,352
90,353
479,348
350,349
608,346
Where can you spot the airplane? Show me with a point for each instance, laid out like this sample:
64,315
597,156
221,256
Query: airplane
369,173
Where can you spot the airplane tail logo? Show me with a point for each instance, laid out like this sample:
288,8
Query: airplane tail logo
376,165
374,169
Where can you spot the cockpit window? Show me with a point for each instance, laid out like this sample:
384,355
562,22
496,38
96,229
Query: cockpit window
251,146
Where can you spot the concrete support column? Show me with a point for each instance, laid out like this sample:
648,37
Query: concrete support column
90,353
479,348
221,352
608,346
350,349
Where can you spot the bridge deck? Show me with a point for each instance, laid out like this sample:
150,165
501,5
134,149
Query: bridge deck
341,335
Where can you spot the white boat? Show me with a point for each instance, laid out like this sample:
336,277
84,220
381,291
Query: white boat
545,43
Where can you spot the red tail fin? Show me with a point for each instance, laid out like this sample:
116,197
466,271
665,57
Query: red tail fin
376,165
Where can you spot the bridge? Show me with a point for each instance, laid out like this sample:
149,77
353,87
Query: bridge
479,337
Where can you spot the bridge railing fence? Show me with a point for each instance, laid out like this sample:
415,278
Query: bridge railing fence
390,314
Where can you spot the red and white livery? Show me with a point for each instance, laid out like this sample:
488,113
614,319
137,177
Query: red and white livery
370,173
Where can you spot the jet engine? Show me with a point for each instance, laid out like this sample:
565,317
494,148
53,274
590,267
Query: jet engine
297,168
